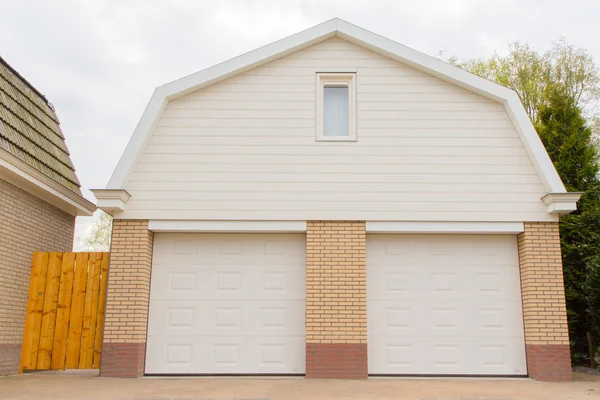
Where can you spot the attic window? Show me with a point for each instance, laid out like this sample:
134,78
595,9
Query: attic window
336,107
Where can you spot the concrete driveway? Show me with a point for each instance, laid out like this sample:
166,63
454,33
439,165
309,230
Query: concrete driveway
77,386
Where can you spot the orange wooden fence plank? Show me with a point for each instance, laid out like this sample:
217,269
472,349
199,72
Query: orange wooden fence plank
76,315
65,311
100,312
35,306
59,347
49,311
86,352
94,317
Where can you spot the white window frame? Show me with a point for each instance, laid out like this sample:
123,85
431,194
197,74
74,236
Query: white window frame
344,79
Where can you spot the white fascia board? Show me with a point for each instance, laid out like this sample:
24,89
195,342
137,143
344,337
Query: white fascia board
421,61
252,59
226,226
533,145
205,78
508,228
471,82
138,140
364,38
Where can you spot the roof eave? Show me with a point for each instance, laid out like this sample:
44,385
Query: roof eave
25,177
561,203
111,200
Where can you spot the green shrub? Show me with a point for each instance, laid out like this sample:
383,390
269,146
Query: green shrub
578,359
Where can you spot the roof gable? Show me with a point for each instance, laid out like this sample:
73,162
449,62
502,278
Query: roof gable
361,37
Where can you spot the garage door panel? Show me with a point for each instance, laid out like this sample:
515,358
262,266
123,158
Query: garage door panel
228,249
445,356
225,355
452,250
444,304
444,282
227,303
251,317
239,282
433,318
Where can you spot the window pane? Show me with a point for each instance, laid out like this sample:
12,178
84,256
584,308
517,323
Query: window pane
335,111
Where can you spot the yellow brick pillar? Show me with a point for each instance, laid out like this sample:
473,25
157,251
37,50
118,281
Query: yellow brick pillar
128,294
544,311
336,304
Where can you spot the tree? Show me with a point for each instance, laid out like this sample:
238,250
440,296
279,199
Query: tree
99,237
575,71
592,293
560,89
571,147
530,74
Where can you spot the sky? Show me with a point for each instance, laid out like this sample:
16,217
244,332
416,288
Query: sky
99,61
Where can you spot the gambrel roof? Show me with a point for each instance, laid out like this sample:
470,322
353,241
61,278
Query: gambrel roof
369,40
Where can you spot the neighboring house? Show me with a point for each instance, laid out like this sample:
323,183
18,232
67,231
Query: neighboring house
335,204
40,197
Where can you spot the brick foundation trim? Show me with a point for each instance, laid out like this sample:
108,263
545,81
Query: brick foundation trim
10,358
123,360
336,360
549,362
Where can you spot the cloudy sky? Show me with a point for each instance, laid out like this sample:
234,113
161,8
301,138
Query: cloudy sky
98,61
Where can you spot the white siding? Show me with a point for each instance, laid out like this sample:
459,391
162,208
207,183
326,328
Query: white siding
245,149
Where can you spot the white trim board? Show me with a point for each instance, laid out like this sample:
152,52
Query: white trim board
508,228
226,226
371,226
361,37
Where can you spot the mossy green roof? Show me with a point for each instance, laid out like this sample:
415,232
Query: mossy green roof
30,130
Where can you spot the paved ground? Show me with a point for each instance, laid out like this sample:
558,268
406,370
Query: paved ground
69,386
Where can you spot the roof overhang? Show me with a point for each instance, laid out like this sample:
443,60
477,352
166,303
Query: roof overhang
561,203
111,200
24,176
379,44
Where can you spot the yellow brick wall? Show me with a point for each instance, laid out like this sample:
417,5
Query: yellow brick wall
27,224
336,303
542,287
128,282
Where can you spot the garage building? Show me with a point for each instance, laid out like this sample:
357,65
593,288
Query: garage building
335,205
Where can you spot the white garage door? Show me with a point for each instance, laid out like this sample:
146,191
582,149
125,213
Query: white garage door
444,305
227,304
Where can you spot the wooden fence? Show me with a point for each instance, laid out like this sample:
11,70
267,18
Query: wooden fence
65,311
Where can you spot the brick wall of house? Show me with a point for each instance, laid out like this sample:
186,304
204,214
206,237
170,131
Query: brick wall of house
336,330
27,224
544,310
124,340
336,303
